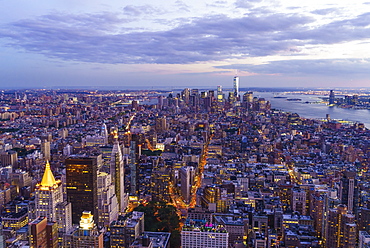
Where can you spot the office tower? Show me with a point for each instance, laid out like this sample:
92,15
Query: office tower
348,191
160,184
248,100
211,197
317,210
363,219
118,174
220,95
20,179
233,225
231,99
126,229
364,239
63,213
186,173
186,95
341,228
331,97
204,235
133,169
161,124
48,193
104,133
49,203
45,149
43,233
299,201
236,86
87,235
8,158
108,206
81,182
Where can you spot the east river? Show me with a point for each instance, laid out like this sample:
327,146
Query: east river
310,107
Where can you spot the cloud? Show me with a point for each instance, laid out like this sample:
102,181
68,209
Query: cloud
324,11
246,4
132,10
107,37
322,67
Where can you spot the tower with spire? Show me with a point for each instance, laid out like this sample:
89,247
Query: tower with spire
48,194
117,173
49,202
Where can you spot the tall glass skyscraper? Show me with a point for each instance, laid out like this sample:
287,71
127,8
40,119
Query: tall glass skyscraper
81,180
236,86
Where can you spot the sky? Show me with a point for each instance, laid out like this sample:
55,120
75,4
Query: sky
192,43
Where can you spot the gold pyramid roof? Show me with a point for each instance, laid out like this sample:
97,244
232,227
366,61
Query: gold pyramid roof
48,179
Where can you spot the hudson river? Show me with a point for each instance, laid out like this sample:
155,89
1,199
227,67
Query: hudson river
314,109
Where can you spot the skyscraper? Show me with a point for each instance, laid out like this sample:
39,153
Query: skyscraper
45,149
348,190
49,203
331,97
87,235
185,174
236,86
133,169
341,228
248,100
104,132
126,229
48,194
107,200
81,181
43,233
118,174
219,94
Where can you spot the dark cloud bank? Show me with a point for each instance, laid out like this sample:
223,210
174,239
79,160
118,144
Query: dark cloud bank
103,38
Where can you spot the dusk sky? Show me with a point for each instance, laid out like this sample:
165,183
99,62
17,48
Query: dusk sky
154,43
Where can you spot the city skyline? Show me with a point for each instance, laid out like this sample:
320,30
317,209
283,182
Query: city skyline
182,44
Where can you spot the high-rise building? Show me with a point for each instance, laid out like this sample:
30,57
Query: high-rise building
49,192
331,97
340,229
126,229
43,233
248,100
8,158
363,239
204,235
104,132
160,184
220,95
107,200
133,169
82,186
236,86
186,173
363,219
161,124
45,149
186,95
117,172
299,201
49,203
87,235
348,191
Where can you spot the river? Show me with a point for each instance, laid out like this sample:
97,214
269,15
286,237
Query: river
314,109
